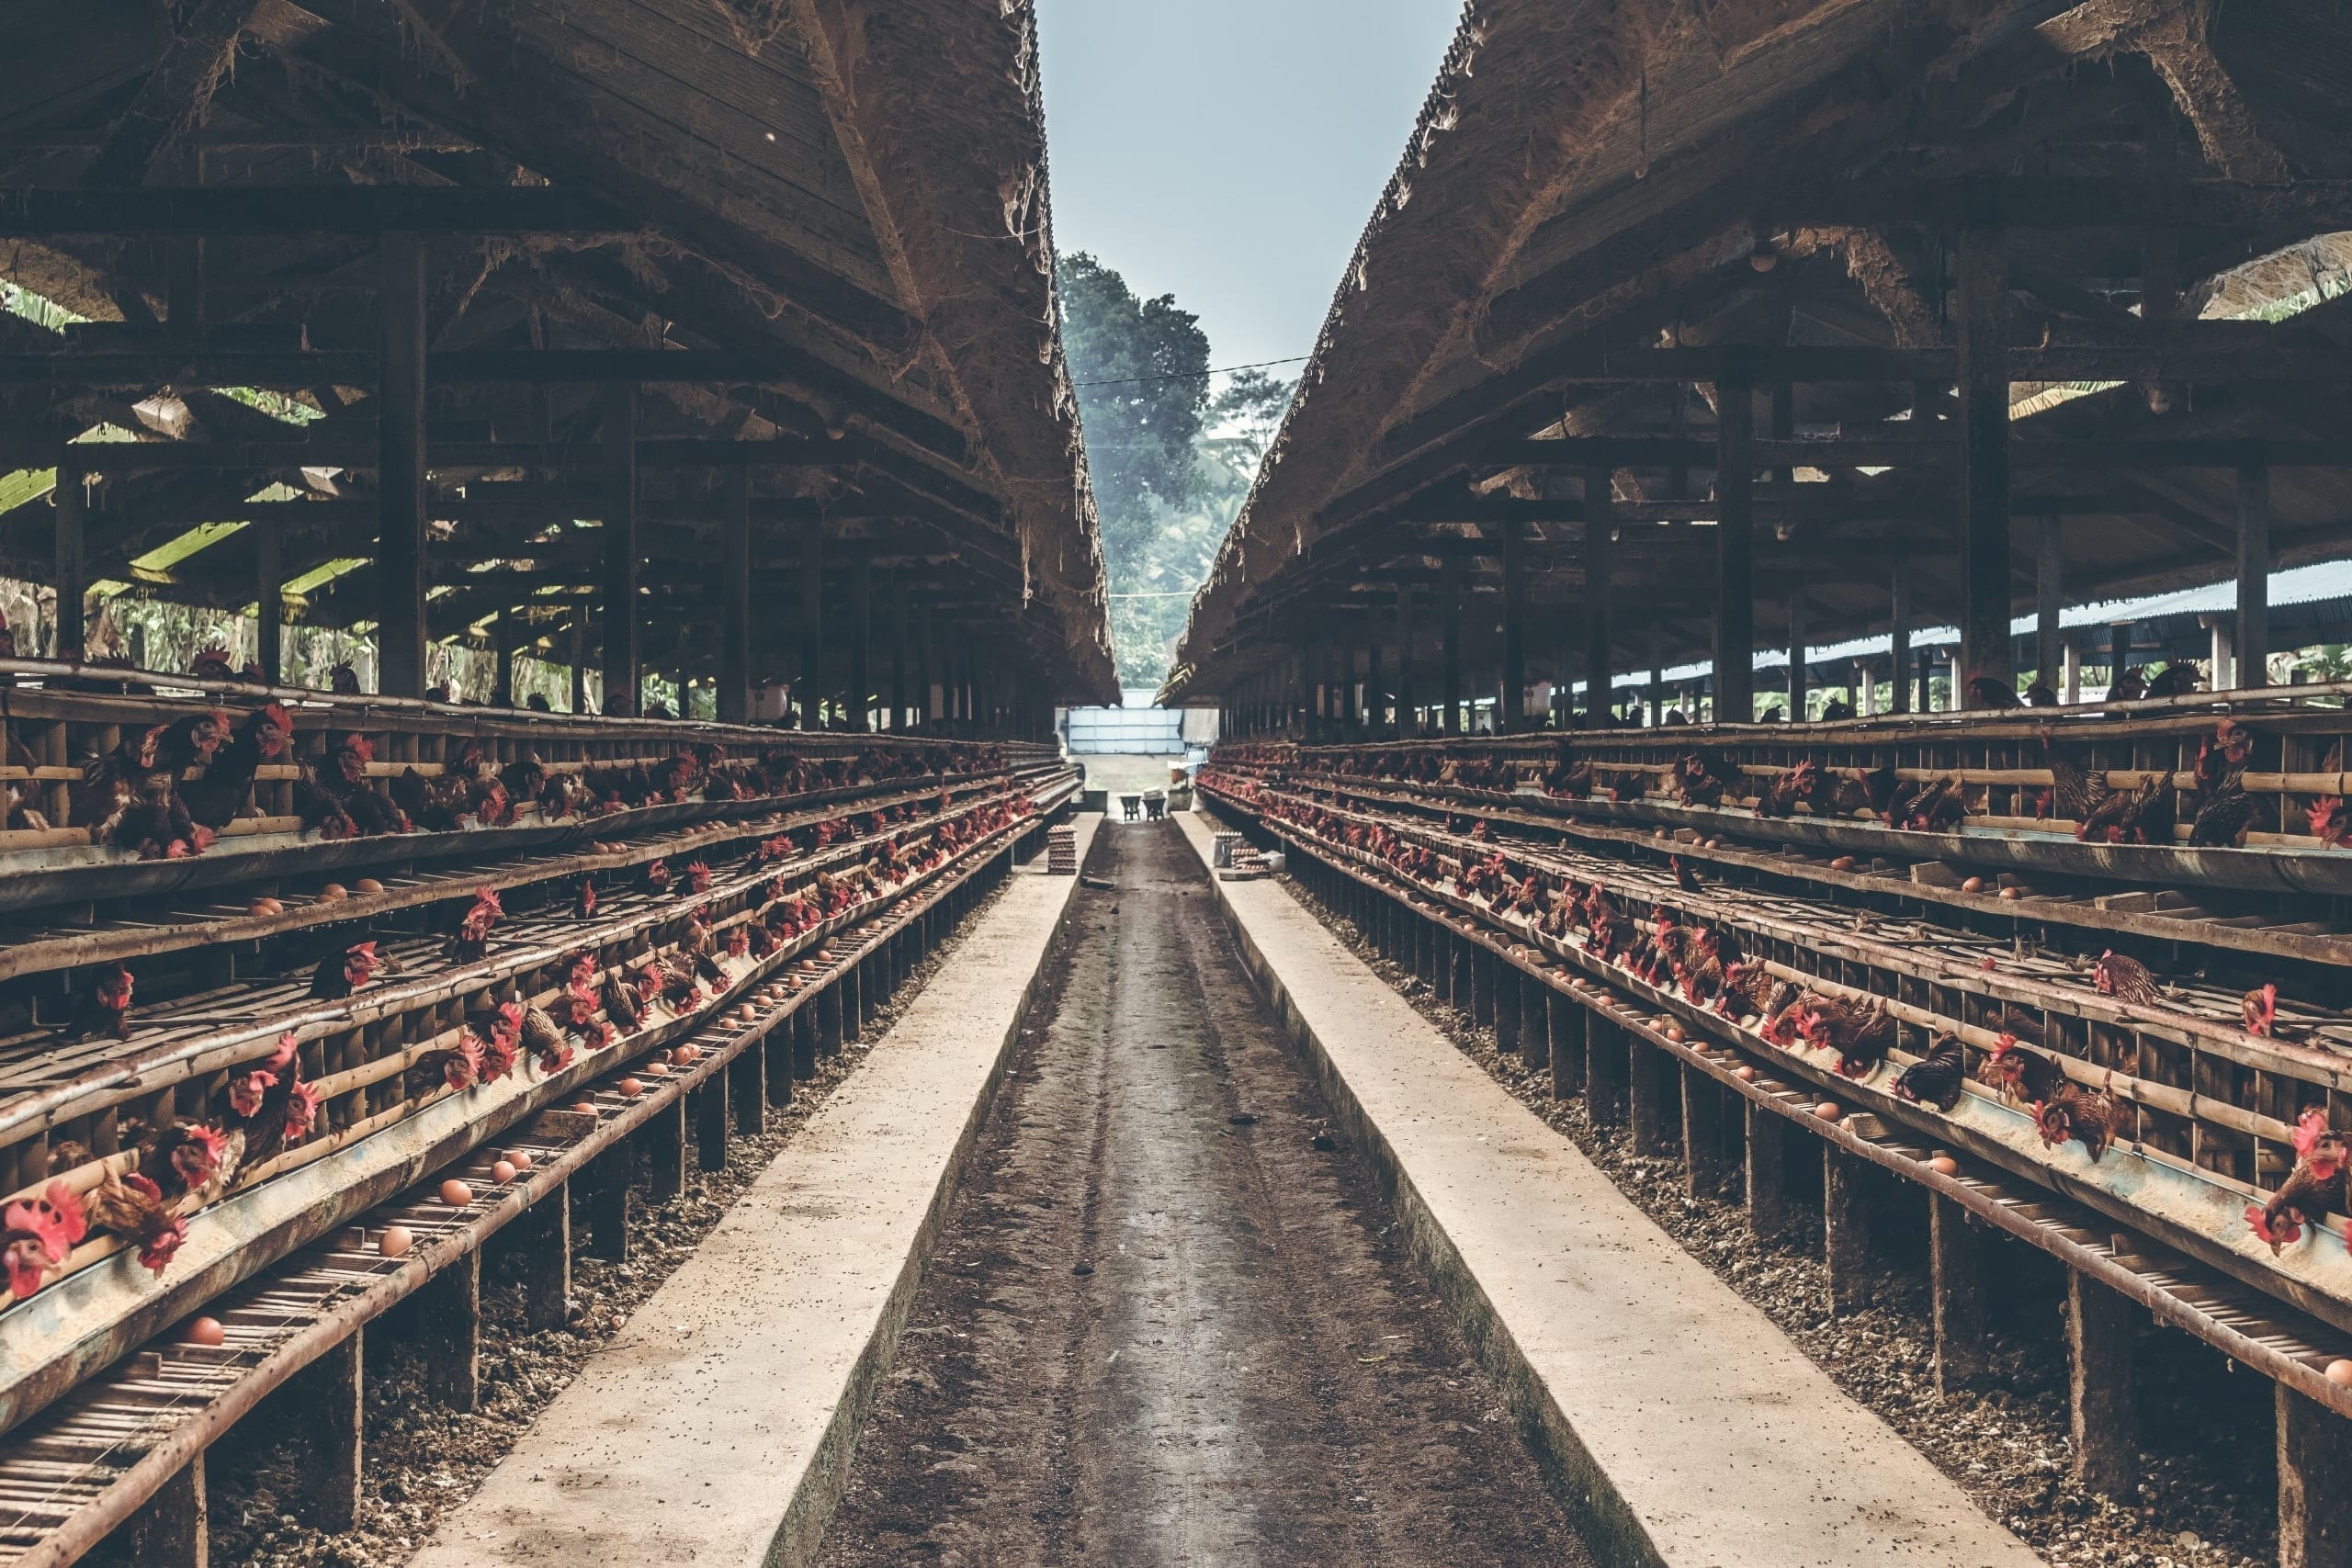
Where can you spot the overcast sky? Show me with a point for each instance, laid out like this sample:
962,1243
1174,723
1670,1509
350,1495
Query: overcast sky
1228,151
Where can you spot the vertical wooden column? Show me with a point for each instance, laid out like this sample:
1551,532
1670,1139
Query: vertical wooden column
1899,617
544,1235
2049,601
1605,1064
712,1113
1657,676
606,1183
1985,651
400,495
329,1409
1735,545
1568,1019
1508,997
623,670
664,1138
269,602
69,502
1449,607
2100,1326
448,1319
1512,708
926,666
1770,1214
899,635
174,1528
2254,576
804,1040
1702,1133
1845,1228
861,642
808,689
1375,687
2314,1484
735,600
1408,714
1600,525
1797,682
1956,1292
1646,1117
1534,1019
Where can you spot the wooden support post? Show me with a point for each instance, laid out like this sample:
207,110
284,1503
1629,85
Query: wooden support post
174,1529
2314,1484
2049,601
2100,1327
269,601
898,639
663,1137
804,1040
712,1116
1770,1214
1985,651
1482,967
748,1088
1899,614
1605,1070
1449,605
545,1239
1702,1133
329,1408
1846,1228
775,1053
1534,1022
607,1178
1735,547
623,675
735,600
448,1332
1508,994
1408,712
861,642
2254,576
69,499
1956,1288
1658,677
1646,1116
1511,712
829,1019
1457,986
1600,525
1797,684
1568,1020
579,657
808,689
400,493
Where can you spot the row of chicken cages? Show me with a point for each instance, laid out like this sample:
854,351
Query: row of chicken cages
138,1140
2172,1117
2285,754
186,769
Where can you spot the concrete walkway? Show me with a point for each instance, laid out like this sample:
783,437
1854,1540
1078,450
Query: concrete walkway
715,1427
1697,1434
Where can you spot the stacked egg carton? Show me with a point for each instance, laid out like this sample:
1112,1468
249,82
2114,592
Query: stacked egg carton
1061,852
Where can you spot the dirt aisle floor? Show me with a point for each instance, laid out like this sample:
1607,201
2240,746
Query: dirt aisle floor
1168,1321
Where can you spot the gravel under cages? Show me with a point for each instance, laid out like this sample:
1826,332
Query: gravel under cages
422,1459
2208,1497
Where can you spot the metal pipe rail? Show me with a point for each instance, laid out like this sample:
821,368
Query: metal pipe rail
81,1471
92,1316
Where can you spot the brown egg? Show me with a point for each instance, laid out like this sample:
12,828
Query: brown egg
657,1069
1714,843
2339,1371
333,893
1944,1164
456,1193
629,1089
502,1171
1843,862
262,907
2012,892
393,1241
1974,885
1744,1073
687,1055
206,1331
366,885
1829,1110
1674,1032
584,1107
519,1158
747,1012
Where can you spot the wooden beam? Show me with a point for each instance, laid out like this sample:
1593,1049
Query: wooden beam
173,97
2049,601
401,494
622,671
2061,201
176,212
269,601
1600,667
2254,576
73,579
1984,288
1449,597
808,689
861,642
1513,697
